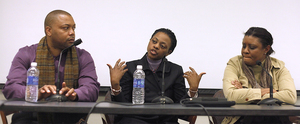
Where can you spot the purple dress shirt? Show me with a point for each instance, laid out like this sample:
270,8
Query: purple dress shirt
88,86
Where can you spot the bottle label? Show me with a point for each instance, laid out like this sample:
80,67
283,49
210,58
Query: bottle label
139,83
32,80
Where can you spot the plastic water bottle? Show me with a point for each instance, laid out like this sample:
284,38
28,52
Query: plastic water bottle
138,93
31,94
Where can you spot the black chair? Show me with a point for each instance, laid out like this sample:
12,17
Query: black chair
218,119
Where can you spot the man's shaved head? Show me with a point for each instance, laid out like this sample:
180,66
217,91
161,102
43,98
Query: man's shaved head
52,16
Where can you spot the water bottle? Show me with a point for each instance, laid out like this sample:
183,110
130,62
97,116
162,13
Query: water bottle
32,91
138,93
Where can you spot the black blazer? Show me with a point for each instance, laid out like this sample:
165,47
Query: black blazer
174,82
174,86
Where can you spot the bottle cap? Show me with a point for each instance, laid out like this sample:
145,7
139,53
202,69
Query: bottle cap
140,67
33,64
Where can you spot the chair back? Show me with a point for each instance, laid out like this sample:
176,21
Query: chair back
218,119
109,118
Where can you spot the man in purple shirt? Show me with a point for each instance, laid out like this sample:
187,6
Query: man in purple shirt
60,34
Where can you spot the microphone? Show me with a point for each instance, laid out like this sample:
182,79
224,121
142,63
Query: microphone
58,97
163,99
269,101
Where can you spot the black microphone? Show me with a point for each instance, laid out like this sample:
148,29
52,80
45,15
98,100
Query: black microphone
271,100
163,99
58,97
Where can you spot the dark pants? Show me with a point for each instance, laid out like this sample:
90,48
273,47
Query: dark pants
127,120
24,118
46,118
264,120
145,119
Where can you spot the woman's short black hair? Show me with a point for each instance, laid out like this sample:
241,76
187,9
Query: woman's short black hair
171,36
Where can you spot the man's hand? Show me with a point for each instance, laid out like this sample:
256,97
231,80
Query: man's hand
69,93
46,91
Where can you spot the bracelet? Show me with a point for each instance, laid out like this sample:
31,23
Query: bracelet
195,96
114,90
119,90
193,91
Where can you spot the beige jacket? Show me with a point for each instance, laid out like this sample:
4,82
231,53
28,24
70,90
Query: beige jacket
282,82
